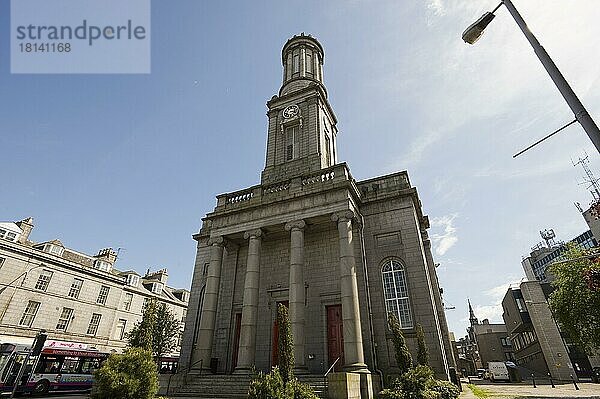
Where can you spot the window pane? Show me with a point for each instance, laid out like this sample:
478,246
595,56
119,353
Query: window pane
396,292
75,288
43,280
29,313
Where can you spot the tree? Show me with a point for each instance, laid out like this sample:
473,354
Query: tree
422,351
403,357
286,345
575,301
157,331
131,375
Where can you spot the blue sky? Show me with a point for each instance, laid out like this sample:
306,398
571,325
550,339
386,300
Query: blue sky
134,161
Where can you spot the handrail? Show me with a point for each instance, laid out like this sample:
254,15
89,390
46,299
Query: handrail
332,366
184,369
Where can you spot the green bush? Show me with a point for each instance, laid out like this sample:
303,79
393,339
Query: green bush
446,389
415,381
271,386
131,375
390,394
298,390
267,386
419,383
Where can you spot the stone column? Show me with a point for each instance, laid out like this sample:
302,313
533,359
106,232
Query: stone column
206,330
247,348
353,347
296,292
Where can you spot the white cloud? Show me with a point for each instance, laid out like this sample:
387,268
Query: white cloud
493,310
448,238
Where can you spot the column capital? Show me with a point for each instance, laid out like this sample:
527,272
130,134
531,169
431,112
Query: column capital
343,216
216,240
255,233
295,225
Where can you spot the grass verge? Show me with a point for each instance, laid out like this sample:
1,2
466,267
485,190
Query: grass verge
479,392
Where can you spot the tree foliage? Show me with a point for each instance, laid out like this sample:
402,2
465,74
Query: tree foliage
157,331
403,357
286,344
575,301
131,375
422,351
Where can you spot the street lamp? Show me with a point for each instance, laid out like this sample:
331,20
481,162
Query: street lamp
474,32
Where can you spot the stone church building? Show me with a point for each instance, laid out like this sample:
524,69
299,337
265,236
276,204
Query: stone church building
340,253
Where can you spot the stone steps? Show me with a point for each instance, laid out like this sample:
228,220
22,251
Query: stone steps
209,386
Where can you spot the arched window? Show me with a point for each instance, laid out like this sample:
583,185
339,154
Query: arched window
395,290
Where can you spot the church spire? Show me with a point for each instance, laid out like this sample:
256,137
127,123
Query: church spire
302,131
472,317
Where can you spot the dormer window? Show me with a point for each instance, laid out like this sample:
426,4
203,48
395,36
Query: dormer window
133,280
8,235
157,288
102,265
53,249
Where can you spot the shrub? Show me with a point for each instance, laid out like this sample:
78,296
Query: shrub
286,344
403,357
446,389
131,375
298,390
415,381
267,386
390,394
422,351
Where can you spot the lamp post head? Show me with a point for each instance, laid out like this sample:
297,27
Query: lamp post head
475,30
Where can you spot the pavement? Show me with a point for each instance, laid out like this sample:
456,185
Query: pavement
497,390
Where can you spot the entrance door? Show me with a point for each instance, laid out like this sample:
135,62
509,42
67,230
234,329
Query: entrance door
335,337
275,345
236,340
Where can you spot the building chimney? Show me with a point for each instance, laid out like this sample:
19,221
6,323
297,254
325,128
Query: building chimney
26,225
107,254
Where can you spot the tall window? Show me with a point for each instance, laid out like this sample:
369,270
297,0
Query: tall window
327,149
103,295
75,288
29,314
120,331
396,292
65,319
127,302
94,323
291,140
43,280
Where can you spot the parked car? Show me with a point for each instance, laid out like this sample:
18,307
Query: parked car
596,375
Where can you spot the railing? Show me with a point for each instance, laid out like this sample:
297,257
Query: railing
318,178
326,384
275,188
186,370
240,197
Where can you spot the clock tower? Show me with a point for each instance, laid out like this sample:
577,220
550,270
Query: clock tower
302,126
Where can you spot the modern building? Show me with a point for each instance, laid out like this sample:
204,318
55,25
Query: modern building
540,345
78,299
340,253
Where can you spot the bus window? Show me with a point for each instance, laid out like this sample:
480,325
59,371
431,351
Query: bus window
70,365
48,365
89,365
8,363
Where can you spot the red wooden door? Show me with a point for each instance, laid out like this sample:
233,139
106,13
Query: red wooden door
236,340
335,336
275,344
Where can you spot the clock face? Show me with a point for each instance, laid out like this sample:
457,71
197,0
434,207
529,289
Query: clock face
291,111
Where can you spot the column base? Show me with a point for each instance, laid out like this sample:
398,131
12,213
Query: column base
242,370
356,368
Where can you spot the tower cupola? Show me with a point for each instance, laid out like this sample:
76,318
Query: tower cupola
302,58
